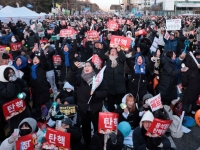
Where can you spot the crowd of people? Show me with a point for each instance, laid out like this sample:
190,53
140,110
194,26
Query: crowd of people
131,77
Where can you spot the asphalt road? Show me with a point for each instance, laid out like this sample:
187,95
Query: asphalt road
189,141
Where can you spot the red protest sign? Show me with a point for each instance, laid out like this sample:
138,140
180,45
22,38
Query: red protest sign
16,46
43,41
92,35
13,108
67,32
49,31
112,26
57,59
2,48
155,102
58,138
98,62
27,142
107,122
158,127
121,41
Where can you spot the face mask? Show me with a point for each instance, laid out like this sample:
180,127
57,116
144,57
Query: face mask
129,35
13,40
24,132
68,90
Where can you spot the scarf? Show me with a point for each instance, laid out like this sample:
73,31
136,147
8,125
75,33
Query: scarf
113,61
33,71
67,63
88,77
175,65
140,69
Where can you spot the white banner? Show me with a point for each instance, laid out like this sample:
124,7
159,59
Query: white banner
155,102
173,24
154,45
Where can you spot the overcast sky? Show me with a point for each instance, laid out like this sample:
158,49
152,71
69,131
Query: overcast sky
105,4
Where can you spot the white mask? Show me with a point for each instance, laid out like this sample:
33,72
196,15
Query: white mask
69,90
13,40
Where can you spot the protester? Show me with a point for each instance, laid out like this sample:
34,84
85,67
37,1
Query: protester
26,126
114,74
143,142
130,113
88,113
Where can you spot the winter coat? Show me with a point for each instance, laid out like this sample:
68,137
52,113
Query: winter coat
75,138
49,55
63,66
40,86
138,83
10,90
23,68
6,38
160,38
64,94
32,39
191,81
140,141
168,80
83,92
97,142
171,45
133,118
115,76
33,124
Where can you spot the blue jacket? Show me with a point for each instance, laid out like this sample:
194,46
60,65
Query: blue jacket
171,45
6,38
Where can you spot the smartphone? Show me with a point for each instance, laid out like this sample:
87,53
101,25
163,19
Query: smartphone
16,132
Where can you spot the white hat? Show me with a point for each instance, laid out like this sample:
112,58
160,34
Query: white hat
124,98
67,85
148,116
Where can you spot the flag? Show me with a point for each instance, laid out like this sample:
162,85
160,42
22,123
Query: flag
29,6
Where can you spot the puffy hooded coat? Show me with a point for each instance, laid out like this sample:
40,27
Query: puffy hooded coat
33,124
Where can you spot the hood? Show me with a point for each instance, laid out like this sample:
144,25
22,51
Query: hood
69,47
67,85
124,98
2,69
128,32
148,116
24,62
32,122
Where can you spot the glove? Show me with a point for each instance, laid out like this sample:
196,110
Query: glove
156,141
12,138
113,137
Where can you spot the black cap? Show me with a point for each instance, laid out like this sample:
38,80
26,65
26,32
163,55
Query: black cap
5,56
67,121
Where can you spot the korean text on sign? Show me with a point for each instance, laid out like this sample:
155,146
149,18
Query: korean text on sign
13,108
159,127
58,138
155,102
107,122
